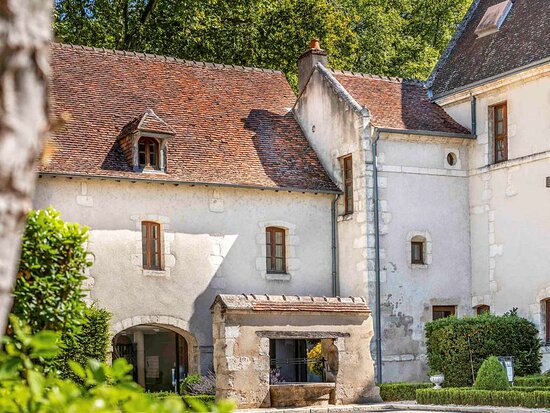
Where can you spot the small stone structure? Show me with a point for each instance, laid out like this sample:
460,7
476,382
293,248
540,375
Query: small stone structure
243,326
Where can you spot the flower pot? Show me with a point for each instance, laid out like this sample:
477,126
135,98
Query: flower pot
437,380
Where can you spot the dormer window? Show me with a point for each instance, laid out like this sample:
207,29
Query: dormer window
148,153
493,18
144,142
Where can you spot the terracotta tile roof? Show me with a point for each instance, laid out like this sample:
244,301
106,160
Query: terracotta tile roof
148,121
232,124
293,303
396,103
522,39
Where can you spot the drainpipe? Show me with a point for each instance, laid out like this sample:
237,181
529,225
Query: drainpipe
473,113
335,276
378,319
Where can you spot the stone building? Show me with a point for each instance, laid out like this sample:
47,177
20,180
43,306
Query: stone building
198,180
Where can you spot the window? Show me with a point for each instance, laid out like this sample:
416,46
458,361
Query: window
275,250
483,309
148,153
547,320
443,311
500,132
348,185
151,245
417,252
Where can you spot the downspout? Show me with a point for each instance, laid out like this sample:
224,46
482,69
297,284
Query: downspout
335,275
473,114
378,315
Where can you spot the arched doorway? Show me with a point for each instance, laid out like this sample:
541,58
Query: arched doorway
160,355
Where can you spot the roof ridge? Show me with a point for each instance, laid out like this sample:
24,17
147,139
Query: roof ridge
394,79
164,58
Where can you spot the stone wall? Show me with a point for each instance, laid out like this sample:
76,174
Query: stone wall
241,344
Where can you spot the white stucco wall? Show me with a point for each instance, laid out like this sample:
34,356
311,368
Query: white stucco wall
420,194
214,242
335,131
509,202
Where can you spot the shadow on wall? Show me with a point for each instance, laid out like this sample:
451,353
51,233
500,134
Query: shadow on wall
283,150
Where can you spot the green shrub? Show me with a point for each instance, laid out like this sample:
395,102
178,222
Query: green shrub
491,376
529,389
92,342
470,397
25,388
457,347
392,392
188,381
533,381
204,399
48,291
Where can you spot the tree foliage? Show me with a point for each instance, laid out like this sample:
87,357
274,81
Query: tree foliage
48,291
91,342
26,388
457,347
391,37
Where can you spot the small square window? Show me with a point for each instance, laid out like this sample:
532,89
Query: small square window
417,252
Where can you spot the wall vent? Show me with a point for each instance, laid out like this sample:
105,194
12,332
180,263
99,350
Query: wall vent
493,18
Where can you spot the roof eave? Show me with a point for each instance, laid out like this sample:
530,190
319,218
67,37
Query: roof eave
187,183
491,79
427,133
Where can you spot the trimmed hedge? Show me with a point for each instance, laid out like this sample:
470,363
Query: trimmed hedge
491,376
206,399
455,346
393,392
533,381
461,396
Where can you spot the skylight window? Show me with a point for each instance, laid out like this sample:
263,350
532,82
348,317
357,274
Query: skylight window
493,18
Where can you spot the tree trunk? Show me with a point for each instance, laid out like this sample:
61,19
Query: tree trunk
25,34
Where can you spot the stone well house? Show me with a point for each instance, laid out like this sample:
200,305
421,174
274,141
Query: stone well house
200,180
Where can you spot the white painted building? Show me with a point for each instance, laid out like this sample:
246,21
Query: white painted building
198,179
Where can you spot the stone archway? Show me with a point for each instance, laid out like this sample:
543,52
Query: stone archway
177,325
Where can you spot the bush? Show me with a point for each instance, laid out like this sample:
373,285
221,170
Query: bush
188,381
92,342
393,392
463,396
491,376
533,381
206,399
457,347
206,385
25,388
48,291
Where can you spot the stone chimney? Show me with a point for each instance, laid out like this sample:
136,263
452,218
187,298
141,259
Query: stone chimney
308,60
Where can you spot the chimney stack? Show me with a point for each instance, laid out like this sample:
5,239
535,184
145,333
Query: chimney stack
307,62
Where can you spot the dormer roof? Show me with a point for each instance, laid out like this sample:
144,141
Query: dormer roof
148,121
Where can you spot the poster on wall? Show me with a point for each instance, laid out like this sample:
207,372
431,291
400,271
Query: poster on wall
152,367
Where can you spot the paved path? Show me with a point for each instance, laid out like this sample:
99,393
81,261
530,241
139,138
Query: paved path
398,407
